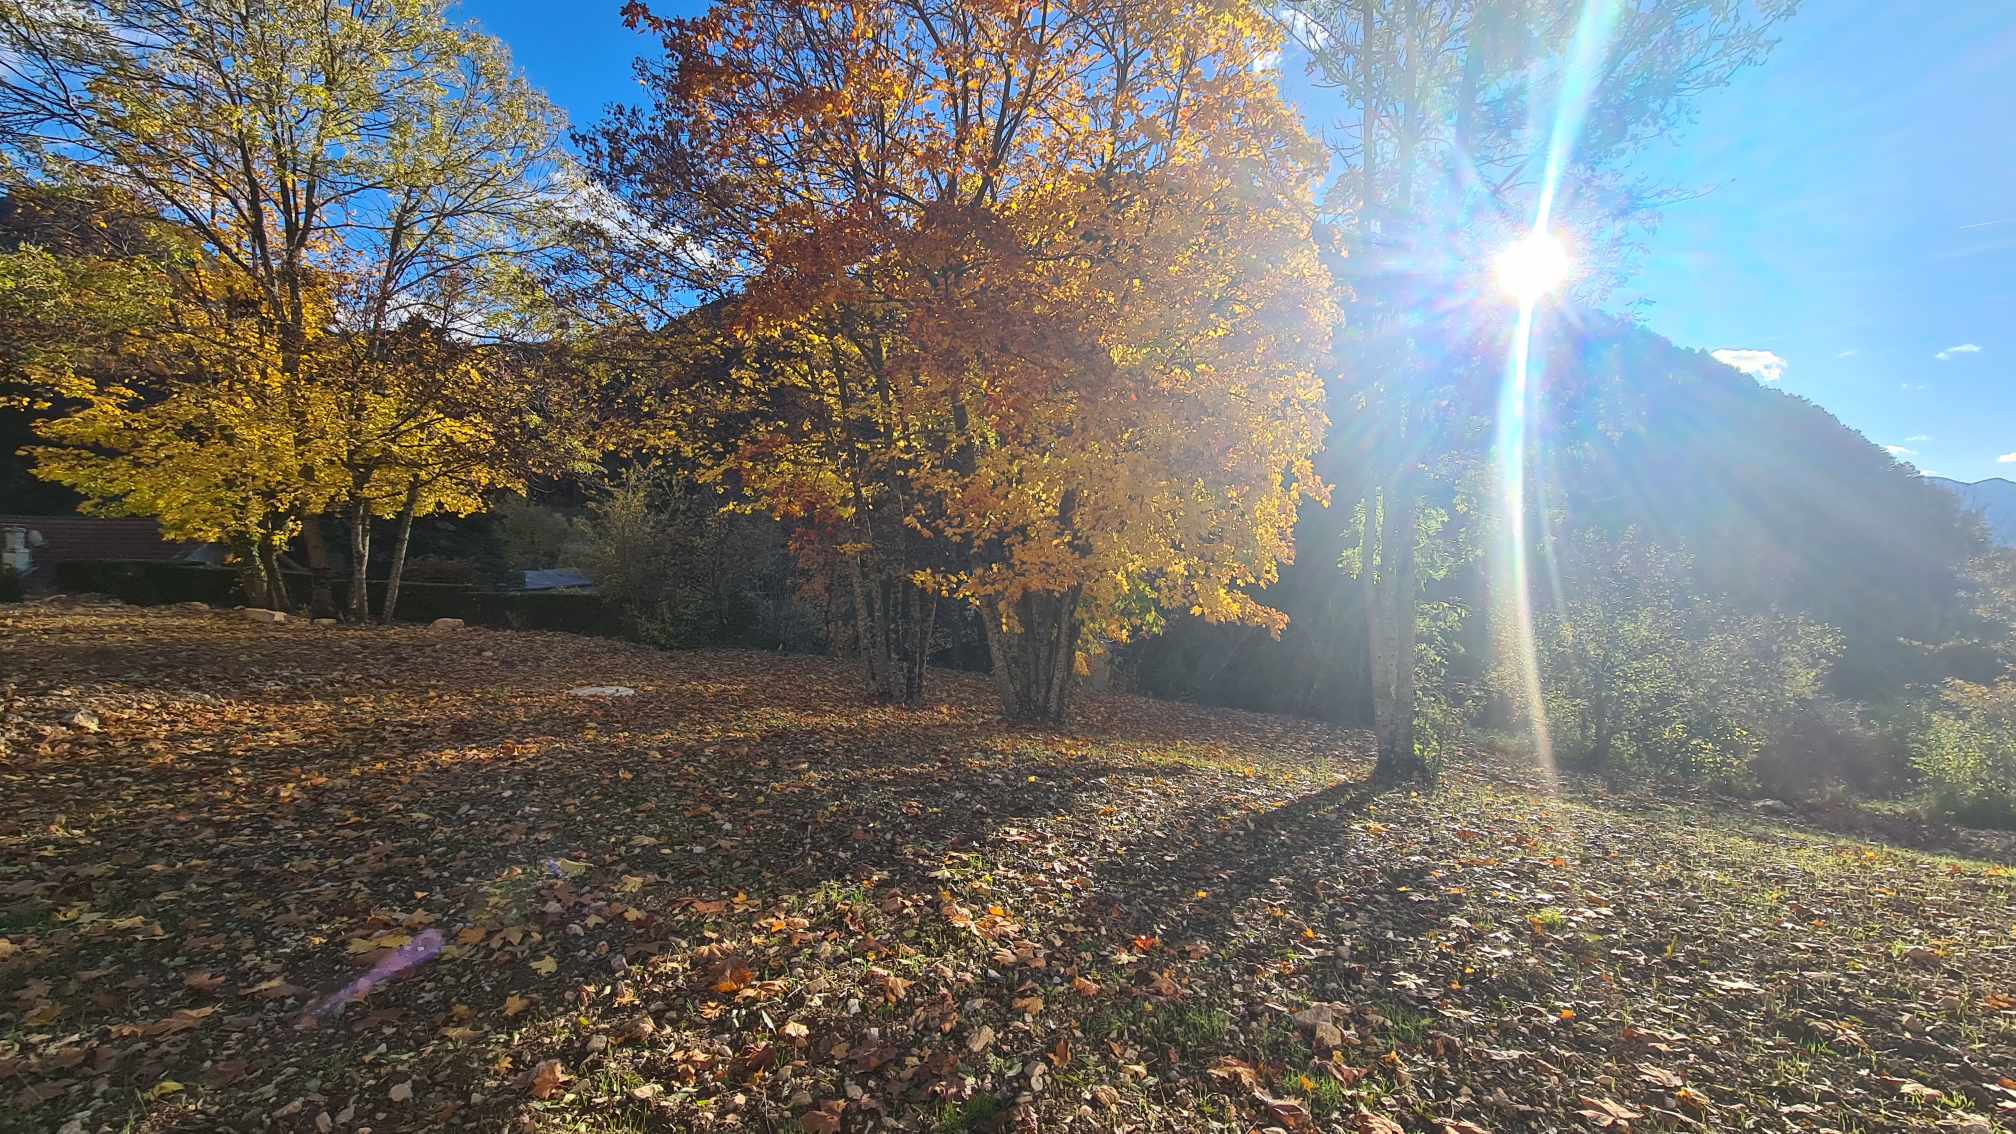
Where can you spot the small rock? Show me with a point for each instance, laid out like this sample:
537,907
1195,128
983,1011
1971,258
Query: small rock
401,1092
256,615
323,621
602,691
83,720
204,607
445,624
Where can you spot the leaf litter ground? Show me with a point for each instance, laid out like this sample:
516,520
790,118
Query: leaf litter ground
304,879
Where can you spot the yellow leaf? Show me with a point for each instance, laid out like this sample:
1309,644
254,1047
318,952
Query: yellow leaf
546,966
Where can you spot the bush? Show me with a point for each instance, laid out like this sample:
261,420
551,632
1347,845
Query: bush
1822,747
1966,753
1643,673
532,536
683,572
10,584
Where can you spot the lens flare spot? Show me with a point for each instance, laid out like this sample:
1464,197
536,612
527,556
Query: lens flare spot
1532,266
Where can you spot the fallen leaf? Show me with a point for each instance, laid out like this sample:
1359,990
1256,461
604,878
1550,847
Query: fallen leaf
547,1079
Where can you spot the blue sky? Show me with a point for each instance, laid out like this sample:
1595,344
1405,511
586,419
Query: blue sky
1857,219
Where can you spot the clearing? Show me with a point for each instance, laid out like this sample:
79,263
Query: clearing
318,879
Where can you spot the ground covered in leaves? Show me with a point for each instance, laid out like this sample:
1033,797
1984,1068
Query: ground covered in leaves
307,878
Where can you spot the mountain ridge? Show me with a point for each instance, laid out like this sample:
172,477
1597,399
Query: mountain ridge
1993,499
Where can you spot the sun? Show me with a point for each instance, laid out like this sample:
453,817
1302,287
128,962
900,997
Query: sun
1532,266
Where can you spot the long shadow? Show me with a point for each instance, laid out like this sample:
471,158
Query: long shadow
1153,889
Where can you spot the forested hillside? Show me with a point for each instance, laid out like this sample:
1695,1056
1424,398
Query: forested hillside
1771,500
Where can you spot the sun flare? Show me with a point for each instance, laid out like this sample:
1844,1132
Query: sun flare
1532,266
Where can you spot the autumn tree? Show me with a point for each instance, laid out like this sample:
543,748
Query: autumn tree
1451,119
158,397
1014,303
360,153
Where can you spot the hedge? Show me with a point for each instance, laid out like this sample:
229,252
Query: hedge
155,582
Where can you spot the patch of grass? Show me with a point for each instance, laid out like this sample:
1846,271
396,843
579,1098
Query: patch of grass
1403,1024
978,1113
1189,1026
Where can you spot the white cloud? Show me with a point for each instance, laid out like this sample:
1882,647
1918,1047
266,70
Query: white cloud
1849,353
1964,348
1267,61
1900,451
1917,437
2006,459
1302,28
1762,365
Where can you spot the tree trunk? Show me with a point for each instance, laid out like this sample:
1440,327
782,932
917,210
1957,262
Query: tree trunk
360,562
1396,589
321,600
894,621
276,583
251,574
1033,662
391,608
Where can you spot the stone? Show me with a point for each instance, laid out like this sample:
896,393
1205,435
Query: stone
202,607
602,691
83,720
445,624
325,622
256,615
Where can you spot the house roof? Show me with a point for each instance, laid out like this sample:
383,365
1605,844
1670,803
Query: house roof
557,578
86,537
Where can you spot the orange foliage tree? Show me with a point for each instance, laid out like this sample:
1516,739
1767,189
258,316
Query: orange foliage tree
1011,303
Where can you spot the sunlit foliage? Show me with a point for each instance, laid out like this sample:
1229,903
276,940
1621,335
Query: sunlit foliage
1018,301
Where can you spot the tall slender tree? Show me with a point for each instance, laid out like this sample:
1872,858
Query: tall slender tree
1450,111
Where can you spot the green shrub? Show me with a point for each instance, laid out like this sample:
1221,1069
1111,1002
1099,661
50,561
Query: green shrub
1643,672
1966,753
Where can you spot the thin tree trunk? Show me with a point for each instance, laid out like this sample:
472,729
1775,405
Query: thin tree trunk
1396,589
871,633
391,608
360,562
276,583
1033,663
251,573
920,622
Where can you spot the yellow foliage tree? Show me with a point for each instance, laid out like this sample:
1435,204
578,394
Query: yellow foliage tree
352,158
1015,302
161,400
